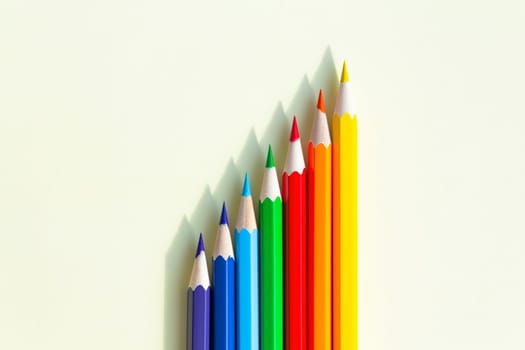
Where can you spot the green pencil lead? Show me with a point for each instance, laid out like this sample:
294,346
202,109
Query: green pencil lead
269,160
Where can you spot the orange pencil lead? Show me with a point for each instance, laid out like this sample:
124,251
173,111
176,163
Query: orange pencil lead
320,101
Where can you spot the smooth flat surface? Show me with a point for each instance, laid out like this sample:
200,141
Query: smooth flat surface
124,125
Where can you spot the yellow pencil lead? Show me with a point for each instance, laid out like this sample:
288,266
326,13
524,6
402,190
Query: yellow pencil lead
344,73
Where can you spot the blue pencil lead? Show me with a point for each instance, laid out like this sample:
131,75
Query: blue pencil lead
200,246
224,215
246,187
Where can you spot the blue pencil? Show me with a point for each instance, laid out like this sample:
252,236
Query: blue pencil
223,287
198,326
247,273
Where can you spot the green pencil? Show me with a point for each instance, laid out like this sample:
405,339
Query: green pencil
271,233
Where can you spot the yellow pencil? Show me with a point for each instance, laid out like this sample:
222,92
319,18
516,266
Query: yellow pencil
344,137
320,233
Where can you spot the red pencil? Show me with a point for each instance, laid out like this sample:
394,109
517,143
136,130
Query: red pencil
294,223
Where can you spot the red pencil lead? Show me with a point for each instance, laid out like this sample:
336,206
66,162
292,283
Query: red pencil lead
320,101
295,131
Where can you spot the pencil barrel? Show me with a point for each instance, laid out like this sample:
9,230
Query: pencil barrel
345,258
319,247
294,220
223,303
198,326
247,288
271,238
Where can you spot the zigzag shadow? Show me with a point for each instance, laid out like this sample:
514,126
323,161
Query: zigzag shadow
179,256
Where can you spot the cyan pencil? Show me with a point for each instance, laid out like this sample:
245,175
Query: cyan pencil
247,273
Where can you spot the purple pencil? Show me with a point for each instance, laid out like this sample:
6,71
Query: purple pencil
199,303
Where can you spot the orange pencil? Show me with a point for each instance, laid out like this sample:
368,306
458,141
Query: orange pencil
320,232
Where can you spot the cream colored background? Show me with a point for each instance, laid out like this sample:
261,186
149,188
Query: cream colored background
124,124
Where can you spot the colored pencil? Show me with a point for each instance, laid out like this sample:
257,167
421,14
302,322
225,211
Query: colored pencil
294,219
223,287
345,260
247,273
198,321
320,232
271,227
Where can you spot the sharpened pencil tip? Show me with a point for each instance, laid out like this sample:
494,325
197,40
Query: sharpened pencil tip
320,101
295,131
200,246
269,159
246,187
224,215
344,73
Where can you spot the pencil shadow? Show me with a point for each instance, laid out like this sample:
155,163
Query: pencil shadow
277,134
205,216
326,78
251,159
228,189
303,107
178,265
